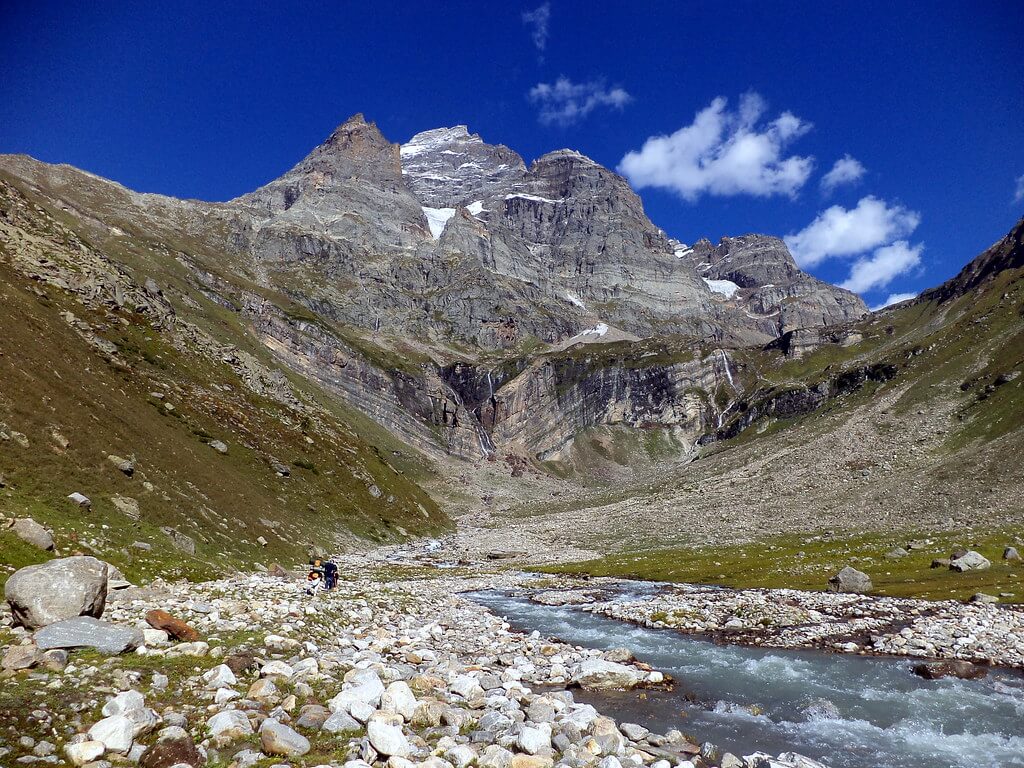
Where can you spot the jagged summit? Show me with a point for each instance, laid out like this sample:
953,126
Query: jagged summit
564,154
438,138
451,167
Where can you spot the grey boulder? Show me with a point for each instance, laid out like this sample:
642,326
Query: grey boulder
31,532
597,674
850,580
58,590
278,739
969,561
87,632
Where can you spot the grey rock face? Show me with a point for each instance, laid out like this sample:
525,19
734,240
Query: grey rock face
589,243
452,168
771,285
87,632
57,590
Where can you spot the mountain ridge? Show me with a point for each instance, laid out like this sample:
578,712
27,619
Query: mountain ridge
550,339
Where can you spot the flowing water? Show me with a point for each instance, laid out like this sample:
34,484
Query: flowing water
848,711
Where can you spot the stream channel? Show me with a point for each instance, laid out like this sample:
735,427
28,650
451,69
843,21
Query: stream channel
848,711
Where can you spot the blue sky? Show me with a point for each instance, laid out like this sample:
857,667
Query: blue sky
926,101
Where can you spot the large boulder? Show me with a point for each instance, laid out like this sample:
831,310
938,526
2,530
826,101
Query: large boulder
87,632
597,674
850,580
58,590
969,561
31,532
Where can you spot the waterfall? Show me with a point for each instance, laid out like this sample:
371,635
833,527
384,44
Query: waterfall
728,372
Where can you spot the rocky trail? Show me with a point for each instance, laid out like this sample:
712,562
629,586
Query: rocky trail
397,666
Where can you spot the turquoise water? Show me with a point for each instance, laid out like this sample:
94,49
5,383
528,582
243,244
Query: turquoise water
848,711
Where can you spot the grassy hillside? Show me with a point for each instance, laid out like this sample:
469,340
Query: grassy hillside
80,382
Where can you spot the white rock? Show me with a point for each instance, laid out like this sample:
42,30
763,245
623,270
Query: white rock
224,695
84,752
197,648
276,669
461,756
220,676
155,637
117,733
360,685
361,711
399,698
467,687
532,740
228,726
385,733
144,721
123,703
597,674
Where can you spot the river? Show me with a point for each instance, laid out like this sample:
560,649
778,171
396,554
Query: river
848,711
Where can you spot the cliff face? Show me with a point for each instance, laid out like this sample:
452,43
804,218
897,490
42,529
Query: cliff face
767,284
394,276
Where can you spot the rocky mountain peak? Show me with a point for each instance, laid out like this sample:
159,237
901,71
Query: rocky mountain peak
563,156
356,152
355,145
451,167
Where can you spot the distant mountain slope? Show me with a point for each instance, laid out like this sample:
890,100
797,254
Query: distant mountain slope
379,315
230,461
911,420
1006,254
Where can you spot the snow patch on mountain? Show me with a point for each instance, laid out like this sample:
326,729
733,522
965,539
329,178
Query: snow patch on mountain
726,288
576,300
535,198
437,218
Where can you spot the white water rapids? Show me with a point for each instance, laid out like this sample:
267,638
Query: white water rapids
848,711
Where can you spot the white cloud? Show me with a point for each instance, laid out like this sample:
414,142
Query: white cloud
878,270
846,170
1020,189
565,102
724,152
894,298
538,20
838,231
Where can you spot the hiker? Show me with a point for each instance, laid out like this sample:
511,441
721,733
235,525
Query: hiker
313,583
330,574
